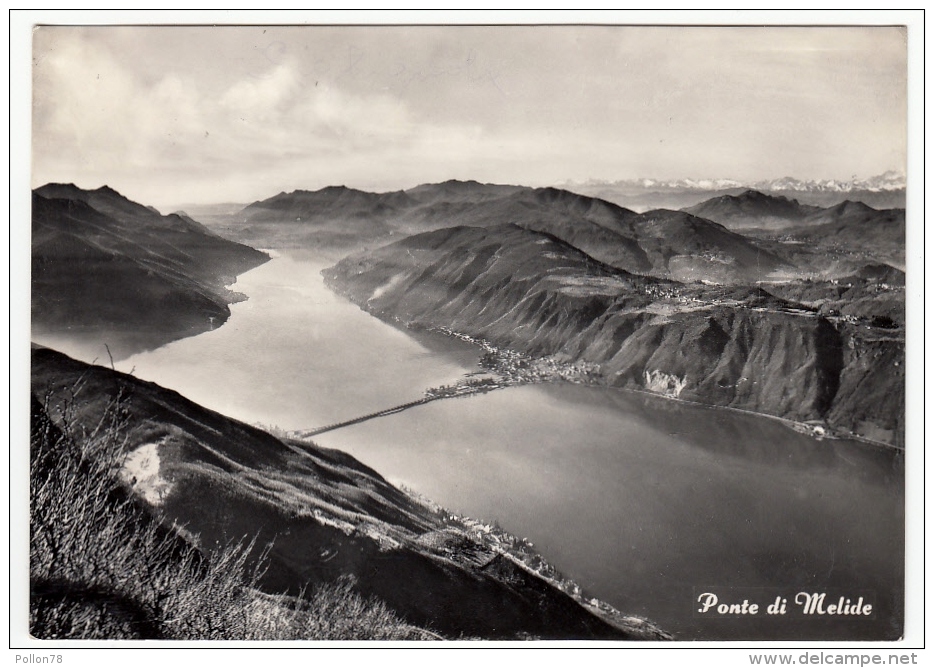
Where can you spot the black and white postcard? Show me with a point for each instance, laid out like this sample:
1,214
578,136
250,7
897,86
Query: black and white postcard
406,332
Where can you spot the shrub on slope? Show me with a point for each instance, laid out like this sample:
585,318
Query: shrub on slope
101,567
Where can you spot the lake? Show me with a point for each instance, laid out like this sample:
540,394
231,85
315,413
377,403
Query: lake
646,503
295,355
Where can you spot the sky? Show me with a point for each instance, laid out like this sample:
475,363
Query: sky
172,115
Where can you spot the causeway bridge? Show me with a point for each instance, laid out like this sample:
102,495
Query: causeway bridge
308,433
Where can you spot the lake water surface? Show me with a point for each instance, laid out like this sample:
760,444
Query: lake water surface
295,355
646,503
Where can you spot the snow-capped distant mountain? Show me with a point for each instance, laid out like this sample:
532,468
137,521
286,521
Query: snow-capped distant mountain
885,191
889,181
694,184
883,182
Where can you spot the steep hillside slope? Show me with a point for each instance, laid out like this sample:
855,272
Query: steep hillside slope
343,218
103,566
848,224
659,243
737,347
830,242
108,270
335,216
598,228
689,248
323,516
856,227
752,208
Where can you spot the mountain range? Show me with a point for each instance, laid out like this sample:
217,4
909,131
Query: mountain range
109,270
885,191
887,181
850,222
726,239
748,300
736,346
752,208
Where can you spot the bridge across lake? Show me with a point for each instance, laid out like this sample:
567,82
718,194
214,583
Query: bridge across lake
433,395
308,433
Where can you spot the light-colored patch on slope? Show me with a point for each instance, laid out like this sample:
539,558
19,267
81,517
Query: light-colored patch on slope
381,290
141,472
586,286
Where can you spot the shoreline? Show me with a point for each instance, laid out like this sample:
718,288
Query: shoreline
505,363
584,376
799,427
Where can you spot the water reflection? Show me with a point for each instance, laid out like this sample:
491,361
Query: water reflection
641,500
637,498
741,435
297,356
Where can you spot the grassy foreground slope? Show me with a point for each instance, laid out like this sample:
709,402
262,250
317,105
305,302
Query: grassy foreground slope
179,522
102,567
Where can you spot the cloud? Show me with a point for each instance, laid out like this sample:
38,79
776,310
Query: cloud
264,94
169,115
91,113
93,117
